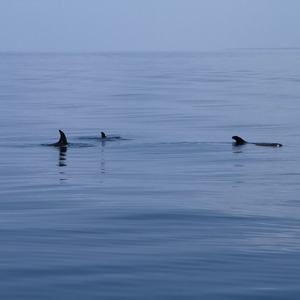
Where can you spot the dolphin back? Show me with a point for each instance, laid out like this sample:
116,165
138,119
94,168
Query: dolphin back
240,141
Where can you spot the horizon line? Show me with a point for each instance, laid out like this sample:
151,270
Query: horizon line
140,51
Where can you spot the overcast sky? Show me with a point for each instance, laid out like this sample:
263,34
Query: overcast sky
130,25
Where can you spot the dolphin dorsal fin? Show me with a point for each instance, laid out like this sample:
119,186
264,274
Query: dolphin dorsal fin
239,140
103,135
63,139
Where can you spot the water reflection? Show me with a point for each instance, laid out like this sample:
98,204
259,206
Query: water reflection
102,167
62,163
62,157
237,148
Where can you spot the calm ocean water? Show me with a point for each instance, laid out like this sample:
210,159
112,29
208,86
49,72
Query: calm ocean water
168,208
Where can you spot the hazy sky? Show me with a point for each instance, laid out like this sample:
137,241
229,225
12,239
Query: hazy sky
118,25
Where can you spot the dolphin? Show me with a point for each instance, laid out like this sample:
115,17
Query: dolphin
103,135
62,141
239,141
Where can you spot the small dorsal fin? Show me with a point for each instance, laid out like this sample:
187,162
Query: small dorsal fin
63,139
103,135
239,140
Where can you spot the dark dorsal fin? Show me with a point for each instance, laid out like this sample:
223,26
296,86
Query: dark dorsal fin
63,139
239,141
103,135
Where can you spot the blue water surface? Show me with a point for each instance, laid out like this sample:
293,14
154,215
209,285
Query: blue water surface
167,207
